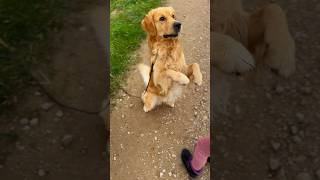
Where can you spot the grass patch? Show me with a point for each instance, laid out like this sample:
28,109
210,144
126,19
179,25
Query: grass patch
24,30
125,35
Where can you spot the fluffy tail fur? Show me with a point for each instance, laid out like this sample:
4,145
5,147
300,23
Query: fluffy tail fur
145,73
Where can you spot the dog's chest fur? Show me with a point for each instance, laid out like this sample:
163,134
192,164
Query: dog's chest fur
169,58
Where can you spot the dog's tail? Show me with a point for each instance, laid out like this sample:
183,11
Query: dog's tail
230,55
145,73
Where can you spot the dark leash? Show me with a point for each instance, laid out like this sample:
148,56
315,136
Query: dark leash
151,71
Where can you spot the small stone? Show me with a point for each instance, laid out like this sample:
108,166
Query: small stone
237,110
300,116
41,172
274,164
294,130
19,146
34,121
161,174
26,128
56,119
67,140
275,145
37,93
46,106
318,174
59,114
303,176
170,174
279,89
24,121
131,105
297,139
155,138
195,114
173,155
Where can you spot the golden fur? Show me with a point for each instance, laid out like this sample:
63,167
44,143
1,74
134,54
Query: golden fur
170,71
263,32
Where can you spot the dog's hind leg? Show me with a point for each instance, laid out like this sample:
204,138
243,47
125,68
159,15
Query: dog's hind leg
280,53
150,100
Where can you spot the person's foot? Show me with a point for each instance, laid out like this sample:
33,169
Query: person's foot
186,157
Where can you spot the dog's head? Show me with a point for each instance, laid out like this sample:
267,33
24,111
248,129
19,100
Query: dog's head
161,22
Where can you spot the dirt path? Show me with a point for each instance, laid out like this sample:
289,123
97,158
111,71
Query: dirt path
148,145
267,127
54,142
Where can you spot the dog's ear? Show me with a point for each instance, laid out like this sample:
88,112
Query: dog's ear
147,24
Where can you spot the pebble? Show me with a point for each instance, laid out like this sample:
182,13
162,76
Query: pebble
34,121
275,145
279,89
67,140
131,105
41,172
294,130
237,110
318,174
37,93
59,113
46,106
56,119
300,116
26,128
24,121
303,176
161,174
274,164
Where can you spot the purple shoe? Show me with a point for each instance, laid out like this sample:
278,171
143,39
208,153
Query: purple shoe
186,157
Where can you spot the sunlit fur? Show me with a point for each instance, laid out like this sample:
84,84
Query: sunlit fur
170,71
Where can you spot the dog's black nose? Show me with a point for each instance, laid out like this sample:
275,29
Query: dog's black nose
177,26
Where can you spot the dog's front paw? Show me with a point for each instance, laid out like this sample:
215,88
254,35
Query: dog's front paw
184,80
198,79
146,109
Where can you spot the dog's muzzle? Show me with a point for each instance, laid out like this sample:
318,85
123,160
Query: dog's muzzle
176,28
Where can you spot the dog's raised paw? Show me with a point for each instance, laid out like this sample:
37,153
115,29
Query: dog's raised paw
184,80
198,80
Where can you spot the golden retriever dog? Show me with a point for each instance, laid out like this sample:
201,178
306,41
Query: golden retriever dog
243,39
166,71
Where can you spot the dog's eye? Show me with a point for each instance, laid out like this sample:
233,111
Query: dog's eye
173,16
162,18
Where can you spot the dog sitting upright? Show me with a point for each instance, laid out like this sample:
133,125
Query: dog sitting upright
166,71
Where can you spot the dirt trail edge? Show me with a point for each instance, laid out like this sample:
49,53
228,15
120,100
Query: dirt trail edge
148,145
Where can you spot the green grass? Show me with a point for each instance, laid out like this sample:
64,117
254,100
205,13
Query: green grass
24,30
126,35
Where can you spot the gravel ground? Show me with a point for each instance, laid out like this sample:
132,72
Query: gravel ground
148,145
